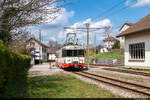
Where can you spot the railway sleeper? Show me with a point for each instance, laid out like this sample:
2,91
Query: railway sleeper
119,84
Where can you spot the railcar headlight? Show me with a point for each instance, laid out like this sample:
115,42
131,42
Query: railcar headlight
68,60
81,61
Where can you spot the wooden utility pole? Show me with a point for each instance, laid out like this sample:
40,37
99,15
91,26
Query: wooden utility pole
40,55
88,35
95,48
40,35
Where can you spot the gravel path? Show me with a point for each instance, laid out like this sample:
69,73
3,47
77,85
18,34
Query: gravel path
143,80
43,69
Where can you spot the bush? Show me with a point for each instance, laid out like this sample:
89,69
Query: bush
5,36
11,65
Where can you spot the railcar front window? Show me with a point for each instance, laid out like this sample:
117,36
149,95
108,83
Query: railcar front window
73,53
81,53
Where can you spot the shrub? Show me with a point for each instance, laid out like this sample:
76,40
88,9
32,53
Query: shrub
11,64
5,36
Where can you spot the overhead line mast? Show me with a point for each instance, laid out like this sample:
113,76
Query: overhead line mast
87,27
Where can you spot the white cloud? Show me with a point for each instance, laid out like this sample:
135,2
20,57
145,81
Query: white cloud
99,33
142,3
139,3
63,17
52,38
128,2
53,30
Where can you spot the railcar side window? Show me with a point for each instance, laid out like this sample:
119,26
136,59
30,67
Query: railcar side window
64,53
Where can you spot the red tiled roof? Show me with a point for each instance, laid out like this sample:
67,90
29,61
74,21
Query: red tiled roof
110,38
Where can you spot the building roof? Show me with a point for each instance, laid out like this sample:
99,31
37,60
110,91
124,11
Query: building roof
43,45
140,26
110,38
127,23
53,50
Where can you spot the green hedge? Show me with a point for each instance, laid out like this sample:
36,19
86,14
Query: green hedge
10,65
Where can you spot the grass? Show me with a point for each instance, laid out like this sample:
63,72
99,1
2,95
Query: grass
106,55
114,55
55,86
64,86
19,87
86,62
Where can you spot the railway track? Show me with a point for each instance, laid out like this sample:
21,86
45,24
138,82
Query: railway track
108,65
120,70
140,89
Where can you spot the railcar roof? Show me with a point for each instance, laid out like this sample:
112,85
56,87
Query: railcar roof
72,47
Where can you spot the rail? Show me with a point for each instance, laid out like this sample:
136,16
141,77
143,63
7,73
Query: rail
118,83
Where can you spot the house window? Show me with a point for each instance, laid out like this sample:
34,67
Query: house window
32,44
122,37
137,51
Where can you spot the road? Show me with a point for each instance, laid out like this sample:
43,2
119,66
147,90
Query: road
43,69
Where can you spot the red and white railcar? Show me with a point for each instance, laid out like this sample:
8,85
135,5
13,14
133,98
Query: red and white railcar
70,56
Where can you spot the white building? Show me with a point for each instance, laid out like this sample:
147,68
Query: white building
40,50
137,43
122,38
107,44
52,54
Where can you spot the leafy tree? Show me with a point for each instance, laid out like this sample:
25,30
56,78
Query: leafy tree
116,45
91,52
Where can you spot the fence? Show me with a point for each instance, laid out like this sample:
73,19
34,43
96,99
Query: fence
108,61
118,50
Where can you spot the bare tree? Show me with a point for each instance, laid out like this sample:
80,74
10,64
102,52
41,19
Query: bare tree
19,13
15,14
108,31
52,44
18,43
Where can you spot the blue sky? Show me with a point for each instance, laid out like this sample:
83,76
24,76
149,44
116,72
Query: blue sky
82,11
93,8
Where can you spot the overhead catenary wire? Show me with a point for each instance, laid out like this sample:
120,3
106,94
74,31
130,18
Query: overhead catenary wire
102,14
114,12
108,10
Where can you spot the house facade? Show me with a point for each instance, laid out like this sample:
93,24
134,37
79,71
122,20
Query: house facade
137,43
40,50
107,44
52,54
122,38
